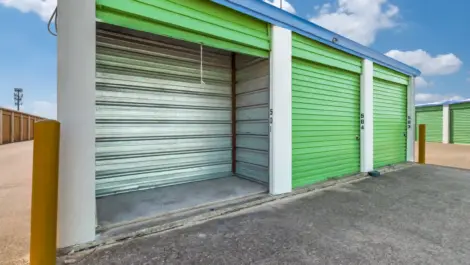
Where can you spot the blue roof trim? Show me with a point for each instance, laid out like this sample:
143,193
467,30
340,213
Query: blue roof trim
447,102
273,15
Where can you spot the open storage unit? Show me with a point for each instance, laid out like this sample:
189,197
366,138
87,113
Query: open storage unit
179,109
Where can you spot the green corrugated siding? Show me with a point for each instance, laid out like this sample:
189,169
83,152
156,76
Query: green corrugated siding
390,103
308,49
325,122
390,75
199,21
432,117
460,123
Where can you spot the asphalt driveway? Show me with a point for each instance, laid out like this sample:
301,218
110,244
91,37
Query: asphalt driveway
419,215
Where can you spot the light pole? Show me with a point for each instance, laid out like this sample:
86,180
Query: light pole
18,98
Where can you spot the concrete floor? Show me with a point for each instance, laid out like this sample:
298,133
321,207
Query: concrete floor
15,202
451,155
130,206
418,215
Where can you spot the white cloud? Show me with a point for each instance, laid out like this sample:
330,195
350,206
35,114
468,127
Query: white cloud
45,109
43,8
421,82
442,64
285,5
359,20
428,98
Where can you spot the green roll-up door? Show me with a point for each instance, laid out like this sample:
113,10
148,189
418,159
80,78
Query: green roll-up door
198,21
460,123
432,117
390,111
325,112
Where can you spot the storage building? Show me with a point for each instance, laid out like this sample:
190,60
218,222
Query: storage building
446,122
185,102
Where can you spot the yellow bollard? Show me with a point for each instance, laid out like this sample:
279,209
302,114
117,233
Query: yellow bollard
44,194
422,144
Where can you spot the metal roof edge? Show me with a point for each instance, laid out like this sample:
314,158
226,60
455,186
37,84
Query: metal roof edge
271,14
446,102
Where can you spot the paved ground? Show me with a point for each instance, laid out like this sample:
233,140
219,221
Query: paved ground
415,216
452,155
15,201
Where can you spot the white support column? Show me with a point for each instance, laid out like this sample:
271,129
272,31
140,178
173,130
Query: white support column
1,126
21,127
445,124
411,121
12,129
29,127
367,116
76,114
281,111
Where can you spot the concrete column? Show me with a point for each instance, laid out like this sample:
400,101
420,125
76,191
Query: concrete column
445,124
21,127
411,122
1,126
367,116
281,111
12,129
76,114
29,127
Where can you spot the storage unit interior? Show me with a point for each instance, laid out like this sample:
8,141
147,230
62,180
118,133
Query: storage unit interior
178,124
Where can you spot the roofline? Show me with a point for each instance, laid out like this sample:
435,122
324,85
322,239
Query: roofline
276,16
447,102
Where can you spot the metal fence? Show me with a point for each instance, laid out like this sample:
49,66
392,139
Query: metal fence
16,126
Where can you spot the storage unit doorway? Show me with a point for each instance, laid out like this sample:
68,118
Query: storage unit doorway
178,124
390,116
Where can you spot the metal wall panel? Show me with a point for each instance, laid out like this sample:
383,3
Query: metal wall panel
252,113
325,122
157,124
432,117
390,111
460,123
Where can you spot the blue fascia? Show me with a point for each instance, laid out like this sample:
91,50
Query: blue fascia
273,15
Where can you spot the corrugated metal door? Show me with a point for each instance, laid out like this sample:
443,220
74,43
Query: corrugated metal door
460,123
25,128
157,124
17,132
325,112
252,114
31,124
6,127
390,111
432,117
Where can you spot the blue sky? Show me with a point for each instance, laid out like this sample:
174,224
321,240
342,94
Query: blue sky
429,35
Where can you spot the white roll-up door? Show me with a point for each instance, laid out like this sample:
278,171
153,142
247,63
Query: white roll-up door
162,117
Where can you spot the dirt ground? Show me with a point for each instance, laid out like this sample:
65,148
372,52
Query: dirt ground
15,205
451,155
